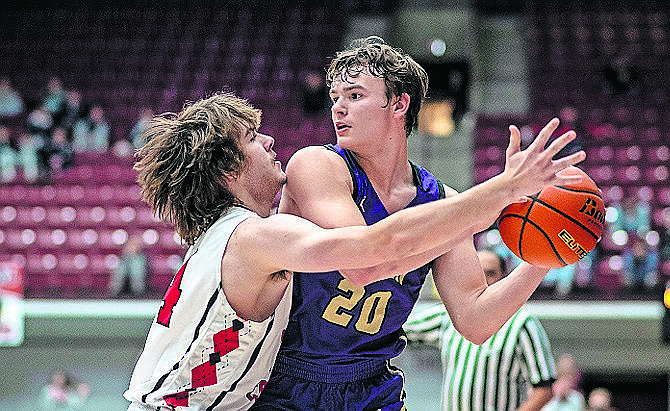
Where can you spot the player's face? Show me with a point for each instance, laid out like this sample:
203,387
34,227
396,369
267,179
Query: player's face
491,266
262,176
361,113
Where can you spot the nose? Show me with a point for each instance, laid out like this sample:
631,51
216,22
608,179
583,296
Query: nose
338,110
268,142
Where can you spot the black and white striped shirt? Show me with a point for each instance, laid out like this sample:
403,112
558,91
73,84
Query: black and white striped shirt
494,376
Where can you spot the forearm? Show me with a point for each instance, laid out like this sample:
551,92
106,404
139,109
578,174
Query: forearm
398,265
417,230
479,312
504,298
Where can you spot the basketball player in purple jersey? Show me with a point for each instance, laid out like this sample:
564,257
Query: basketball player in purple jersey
341,335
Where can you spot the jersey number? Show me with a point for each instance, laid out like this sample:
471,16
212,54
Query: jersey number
171,297
373,311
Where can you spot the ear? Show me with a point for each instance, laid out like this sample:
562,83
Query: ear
401,105
228,179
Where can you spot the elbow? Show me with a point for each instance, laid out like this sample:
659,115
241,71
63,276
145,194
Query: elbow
472,332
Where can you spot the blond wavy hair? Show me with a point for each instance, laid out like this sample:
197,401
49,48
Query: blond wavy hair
185,157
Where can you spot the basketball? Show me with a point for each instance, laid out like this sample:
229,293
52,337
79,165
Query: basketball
558,226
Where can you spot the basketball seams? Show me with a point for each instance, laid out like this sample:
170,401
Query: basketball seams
523,224
551,243
534,224
569,217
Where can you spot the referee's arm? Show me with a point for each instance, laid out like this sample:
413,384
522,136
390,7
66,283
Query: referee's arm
539,363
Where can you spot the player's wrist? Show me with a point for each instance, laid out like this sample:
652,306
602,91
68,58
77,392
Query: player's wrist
503,190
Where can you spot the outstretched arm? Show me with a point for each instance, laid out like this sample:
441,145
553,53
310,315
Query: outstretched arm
323,195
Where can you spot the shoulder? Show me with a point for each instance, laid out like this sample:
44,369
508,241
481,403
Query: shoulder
316,169
309,157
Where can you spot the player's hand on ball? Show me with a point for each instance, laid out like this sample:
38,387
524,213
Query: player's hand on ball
532,169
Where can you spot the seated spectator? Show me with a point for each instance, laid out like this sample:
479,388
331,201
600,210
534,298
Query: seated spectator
600,399
11,102
8,156
664,239
53,99
91,133
40,123
29,146
56,154
314,93
561,280
641,263
73,110
132,269
633,215
63,392
621,76
146,114
567,396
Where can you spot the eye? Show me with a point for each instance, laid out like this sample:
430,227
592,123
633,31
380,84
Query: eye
356,96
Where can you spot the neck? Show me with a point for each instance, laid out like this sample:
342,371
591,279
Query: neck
263,209
387,168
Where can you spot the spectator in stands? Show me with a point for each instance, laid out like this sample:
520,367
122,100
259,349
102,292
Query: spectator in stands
54,97
91,133
633,215
621,76
145,116
567,396
133,266
664,240
600,399
63,392
8,156
40,123
314,93
56,154
561,280
11,102
641,263
73,110
29,146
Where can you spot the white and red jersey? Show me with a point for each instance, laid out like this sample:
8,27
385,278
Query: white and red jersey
199,354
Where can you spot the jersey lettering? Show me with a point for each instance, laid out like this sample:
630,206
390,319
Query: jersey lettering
373,311
171,297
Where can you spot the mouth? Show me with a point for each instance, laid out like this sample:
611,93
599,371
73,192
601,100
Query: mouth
341,127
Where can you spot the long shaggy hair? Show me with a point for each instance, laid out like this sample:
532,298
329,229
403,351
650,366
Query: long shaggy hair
186,156
400,72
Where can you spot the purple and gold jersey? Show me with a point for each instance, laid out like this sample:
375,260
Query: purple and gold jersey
334,321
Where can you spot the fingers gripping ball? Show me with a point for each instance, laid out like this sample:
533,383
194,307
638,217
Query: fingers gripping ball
557,226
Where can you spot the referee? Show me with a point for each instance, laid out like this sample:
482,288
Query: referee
512,370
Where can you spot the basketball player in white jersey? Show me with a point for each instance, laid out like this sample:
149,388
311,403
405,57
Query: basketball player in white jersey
209,172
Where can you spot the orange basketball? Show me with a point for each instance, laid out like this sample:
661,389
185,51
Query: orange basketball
558,226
